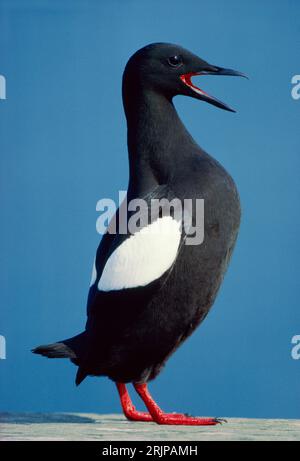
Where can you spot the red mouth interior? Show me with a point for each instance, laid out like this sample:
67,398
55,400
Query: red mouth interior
186,78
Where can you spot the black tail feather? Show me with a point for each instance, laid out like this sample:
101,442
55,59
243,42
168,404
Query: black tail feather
72,348
55,351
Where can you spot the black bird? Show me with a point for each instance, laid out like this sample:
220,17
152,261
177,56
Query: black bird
151,287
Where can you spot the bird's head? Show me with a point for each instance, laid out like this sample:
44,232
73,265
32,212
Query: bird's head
168,69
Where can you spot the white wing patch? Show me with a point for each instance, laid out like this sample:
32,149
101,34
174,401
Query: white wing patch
94,274
143,257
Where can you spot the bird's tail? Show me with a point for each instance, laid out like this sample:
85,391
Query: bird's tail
72,348
55,351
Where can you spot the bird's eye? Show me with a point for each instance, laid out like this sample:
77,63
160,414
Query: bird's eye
175,61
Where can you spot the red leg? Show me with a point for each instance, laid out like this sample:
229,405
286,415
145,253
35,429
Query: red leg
169,418
128,408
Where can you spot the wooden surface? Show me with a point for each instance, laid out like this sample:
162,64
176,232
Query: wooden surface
114,427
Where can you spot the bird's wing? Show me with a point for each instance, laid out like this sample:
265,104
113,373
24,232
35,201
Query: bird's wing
128,262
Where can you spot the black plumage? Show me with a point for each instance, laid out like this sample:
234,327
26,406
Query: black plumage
130,333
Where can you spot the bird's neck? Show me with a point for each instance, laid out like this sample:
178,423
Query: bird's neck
157,141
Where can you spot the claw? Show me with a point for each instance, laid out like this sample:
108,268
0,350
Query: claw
220,420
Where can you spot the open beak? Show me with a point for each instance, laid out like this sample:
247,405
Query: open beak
200,94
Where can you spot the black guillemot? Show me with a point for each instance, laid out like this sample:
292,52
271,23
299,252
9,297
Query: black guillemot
149,289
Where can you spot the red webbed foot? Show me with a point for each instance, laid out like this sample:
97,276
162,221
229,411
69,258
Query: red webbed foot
171,418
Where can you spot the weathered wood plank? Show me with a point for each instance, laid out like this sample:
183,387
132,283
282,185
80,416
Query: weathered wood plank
114,427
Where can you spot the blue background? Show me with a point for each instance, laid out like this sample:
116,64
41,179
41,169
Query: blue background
63,147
